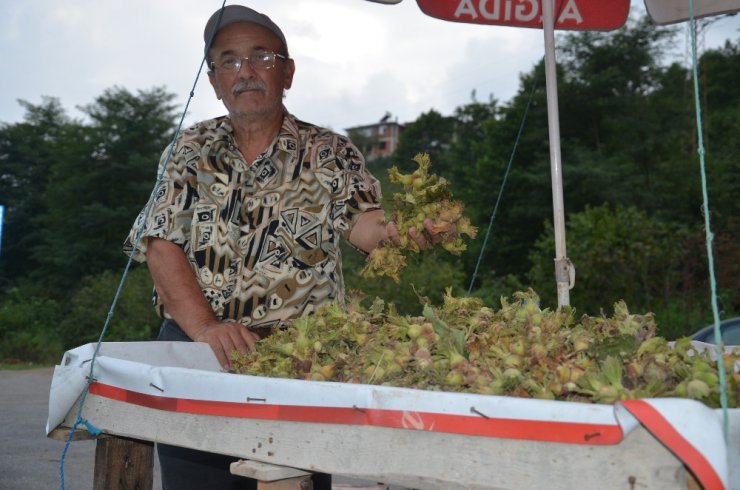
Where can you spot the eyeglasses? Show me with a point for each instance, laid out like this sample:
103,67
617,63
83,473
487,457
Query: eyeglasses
264,60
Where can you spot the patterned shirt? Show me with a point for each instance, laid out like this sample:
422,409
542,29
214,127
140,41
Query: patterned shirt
262,239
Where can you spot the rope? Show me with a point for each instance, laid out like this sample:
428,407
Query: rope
503,185
79,420
708,229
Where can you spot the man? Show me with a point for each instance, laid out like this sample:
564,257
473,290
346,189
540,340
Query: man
243,232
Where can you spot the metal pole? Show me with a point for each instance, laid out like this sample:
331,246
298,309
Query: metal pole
563,267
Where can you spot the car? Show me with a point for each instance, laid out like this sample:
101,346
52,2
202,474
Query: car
729,328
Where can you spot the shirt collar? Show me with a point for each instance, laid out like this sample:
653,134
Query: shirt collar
287,139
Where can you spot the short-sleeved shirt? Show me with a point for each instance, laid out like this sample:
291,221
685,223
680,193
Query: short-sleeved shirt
262,238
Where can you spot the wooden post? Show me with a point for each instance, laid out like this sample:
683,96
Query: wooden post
123,464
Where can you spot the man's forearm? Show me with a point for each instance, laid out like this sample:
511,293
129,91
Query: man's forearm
177,286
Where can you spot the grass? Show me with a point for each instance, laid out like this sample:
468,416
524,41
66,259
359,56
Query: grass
18,365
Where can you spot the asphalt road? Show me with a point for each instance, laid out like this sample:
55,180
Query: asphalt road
31,461
28,459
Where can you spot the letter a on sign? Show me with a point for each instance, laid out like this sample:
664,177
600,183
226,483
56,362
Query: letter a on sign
575,15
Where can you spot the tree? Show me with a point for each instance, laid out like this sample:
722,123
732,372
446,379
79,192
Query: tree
363,141
612,89
27,152
101,182
430,133
482,148
719,70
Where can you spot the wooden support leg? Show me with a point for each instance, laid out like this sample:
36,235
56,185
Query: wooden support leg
272,477
123,464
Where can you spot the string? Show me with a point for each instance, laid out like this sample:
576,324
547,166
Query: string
79,420
708,228
503,185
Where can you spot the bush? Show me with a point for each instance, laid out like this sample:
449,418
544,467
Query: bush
133,316
493,288
28,328
427,275
625,254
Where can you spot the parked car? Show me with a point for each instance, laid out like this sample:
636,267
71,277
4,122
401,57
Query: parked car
730,330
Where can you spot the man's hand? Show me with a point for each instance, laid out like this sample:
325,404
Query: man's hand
435,231
371,230
225,338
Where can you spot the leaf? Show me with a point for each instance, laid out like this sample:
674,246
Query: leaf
452,335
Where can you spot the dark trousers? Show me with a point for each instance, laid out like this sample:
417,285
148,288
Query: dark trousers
186,469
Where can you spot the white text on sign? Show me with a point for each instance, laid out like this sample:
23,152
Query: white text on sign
517,10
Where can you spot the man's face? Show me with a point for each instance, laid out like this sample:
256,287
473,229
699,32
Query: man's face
251,93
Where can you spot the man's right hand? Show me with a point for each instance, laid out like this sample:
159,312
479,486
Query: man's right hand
181,294
225,338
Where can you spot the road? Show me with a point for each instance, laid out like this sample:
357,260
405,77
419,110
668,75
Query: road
30,461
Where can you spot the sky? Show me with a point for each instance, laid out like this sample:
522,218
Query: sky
355,60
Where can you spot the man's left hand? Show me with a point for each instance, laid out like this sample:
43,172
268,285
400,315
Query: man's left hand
434,231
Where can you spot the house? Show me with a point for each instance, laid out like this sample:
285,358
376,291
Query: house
377,140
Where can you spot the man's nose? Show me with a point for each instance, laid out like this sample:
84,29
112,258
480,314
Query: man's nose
246,66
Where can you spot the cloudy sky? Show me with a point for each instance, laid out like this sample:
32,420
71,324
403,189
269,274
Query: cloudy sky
355,59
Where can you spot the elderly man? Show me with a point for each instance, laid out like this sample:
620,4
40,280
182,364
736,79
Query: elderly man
243,232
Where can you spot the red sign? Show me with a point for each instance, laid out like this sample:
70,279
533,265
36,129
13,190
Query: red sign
578,15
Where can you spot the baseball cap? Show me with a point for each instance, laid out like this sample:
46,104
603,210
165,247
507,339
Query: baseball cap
239,13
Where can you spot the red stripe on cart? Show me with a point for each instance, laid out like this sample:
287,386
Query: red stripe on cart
476,425
659,427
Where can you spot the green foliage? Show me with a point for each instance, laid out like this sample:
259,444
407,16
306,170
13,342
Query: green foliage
426,275
89,167
681,316
133,318
38,329
27,151
625,254
28,328
362,141
102,174
431,133
493,288
71,191
722,113
518,350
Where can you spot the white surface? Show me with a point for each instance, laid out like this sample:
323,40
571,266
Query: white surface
171,372
671,11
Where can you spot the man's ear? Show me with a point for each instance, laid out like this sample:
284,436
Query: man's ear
289,70
214,84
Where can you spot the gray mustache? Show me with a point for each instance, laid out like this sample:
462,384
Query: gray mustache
247,85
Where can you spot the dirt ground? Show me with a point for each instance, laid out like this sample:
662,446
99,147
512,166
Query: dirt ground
31,461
